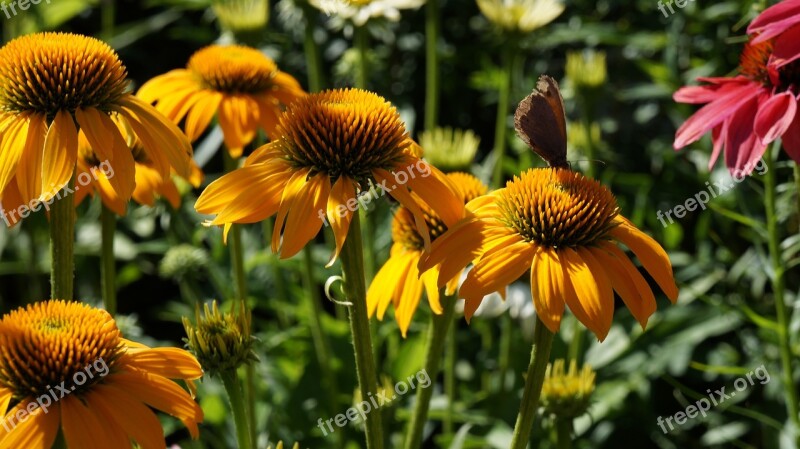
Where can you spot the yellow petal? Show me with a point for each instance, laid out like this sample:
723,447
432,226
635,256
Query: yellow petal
60,154
588,293
547,287
29,178
627,281
12,147
339,213
651,254
305,217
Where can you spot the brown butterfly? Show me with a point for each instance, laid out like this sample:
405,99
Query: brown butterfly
540,122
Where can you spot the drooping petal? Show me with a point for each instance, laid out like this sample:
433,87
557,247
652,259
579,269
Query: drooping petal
774,20
102,132
60,154
791,139
172,363
82,428
774,116
547,287
29,168
38,431
494,272
409,298
202,112
588,291
12,147
293,187
339,213
434,188
712,114
305,216
651,254
136,419
238,117
627,282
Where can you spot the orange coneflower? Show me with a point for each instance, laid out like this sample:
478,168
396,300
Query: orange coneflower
327,148
399,280
70,361
564,228
51,82
149,182
238,84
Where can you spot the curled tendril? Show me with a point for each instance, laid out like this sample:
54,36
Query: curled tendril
328,284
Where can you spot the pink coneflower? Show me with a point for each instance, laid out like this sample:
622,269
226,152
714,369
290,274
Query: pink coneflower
747,112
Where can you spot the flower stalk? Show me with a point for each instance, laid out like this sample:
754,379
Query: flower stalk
355,293
778,287
62,240
432,64
231,381
434,346
540,354
563,433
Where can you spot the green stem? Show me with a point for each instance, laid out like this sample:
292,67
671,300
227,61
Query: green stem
540,355
432,64
107,12
502,115
62,239
108,269
251,393
361,38
563,433
574,350
321,346
355,293
586,119
231,381
797,191
240,292
311,50
778,287
450,381
434,345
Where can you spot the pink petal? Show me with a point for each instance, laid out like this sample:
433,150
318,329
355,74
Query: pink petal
718,137
742,146
774,117
786,48
712,114
775,20
791,139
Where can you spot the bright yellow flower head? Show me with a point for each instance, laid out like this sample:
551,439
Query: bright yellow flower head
65,365
565,229
450,149
328,147
242,15
239,85
521,16
399,279
51,82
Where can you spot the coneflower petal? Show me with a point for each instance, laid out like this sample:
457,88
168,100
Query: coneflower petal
627,282
60,154
547,287
303,222
583,296
37,432
12,147
200,115
293,187
409,298
30,164
651,254
339,214
136,419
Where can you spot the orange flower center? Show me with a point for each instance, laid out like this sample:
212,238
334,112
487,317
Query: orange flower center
557,207
348,132
56,346
753,64
233,69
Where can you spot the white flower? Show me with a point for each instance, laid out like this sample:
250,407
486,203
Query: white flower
520,15
360,11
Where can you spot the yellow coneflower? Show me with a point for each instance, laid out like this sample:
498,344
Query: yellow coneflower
564,228
49,82
327,148
65,365
399,280
241,16
149,182
521,16
586,68
238,84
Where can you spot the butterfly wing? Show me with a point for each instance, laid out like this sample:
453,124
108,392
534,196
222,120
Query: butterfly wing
541,123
